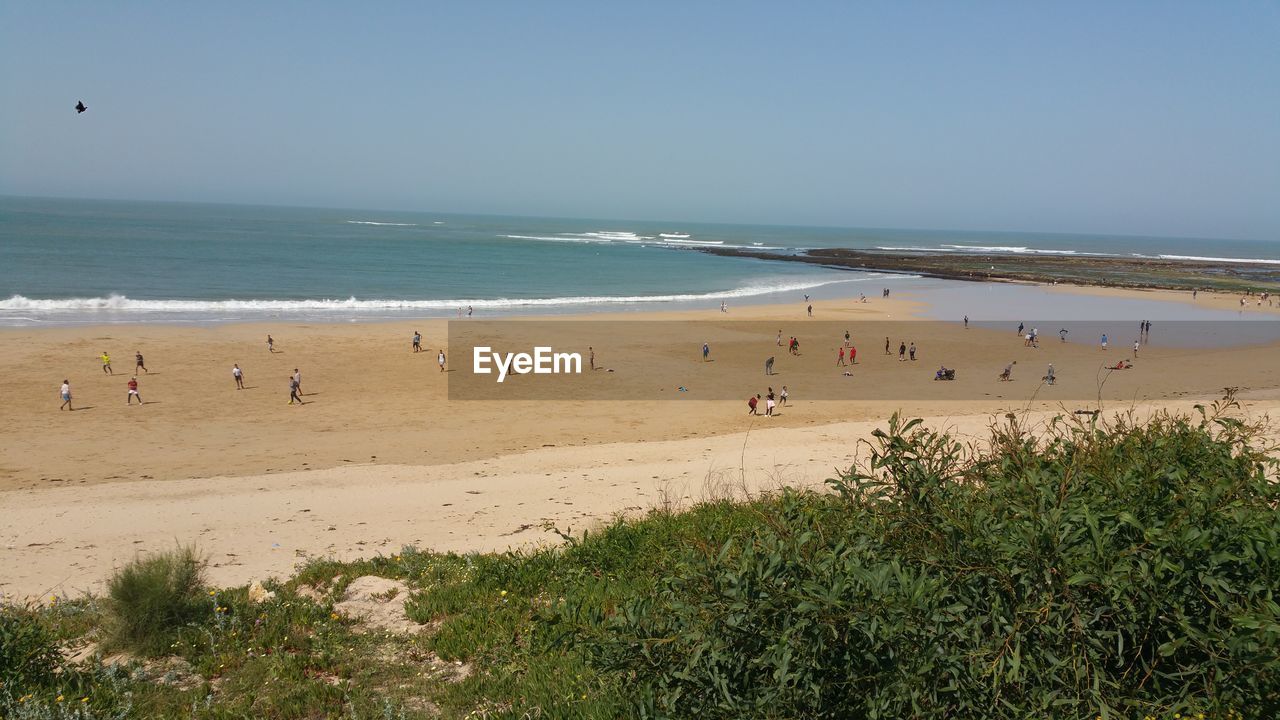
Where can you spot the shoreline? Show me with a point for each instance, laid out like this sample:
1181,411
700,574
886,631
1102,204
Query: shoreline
1208,297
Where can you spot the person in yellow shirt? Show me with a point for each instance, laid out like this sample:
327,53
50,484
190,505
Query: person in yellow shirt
106,363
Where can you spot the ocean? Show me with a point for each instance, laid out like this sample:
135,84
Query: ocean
84,261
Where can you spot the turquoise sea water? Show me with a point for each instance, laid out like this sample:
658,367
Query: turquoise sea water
71,261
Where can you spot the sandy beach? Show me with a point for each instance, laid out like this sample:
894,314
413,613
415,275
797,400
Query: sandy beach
379,456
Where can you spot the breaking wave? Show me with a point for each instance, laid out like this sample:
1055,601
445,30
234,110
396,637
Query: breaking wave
123,304
1258,261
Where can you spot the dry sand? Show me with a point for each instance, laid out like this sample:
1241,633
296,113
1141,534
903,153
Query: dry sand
379,457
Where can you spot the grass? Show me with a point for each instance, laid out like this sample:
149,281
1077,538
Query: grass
928,567
152,599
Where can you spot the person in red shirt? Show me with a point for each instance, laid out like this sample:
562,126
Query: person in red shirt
840,360
751,403
133,392
853,355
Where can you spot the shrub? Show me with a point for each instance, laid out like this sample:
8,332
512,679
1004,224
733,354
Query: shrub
28,652
152,599
1119,571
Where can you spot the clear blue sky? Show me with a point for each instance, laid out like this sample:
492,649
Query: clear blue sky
1133,117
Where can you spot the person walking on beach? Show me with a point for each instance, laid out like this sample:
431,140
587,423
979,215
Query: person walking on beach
271,344
470,310
782,397
65,392
106,364
1104,341
853,354
768,366
846,337
724,306
886,345
1049,377
417,341
810,310
966,322
911,351
138,364
706,352
297,379
840,359
752,403
440,359
238,374
1021,327
592,351
769,403
133,392
902,351
1135,348
779,338
295,391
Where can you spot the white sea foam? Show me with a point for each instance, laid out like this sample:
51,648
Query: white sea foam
606,238
692,243
1258,261
1016,249
674,236
557,238
120,304
391,224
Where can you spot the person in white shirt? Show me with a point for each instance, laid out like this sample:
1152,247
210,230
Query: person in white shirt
66,395
238,374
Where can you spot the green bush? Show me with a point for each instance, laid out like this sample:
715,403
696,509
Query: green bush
1122,571
152,599
29,653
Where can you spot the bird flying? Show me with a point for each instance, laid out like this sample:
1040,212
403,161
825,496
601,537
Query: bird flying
81,107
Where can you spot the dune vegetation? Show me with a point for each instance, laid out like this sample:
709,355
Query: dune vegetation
1110,568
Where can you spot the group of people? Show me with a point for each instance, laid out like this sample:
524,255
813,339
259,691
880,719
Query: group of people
138,363
132,385
770,401
1262,298
904,351
131,392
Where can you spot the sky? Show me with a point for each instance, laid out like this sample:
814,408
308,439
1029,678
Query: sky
1147,118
